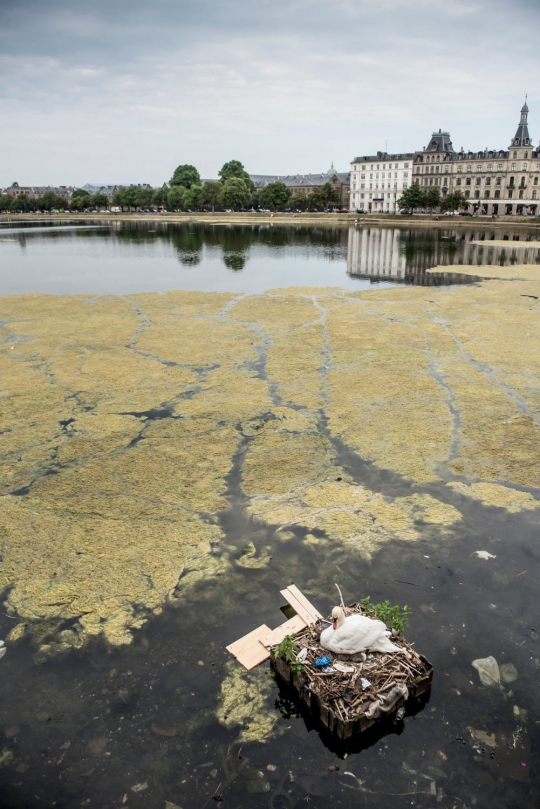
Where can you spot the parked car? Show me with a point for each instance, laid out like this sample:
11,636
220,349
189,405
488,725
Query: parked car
405,212
360,210
466,213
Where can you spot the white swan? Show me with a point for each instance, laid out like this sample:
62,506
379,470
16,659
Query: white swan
356,633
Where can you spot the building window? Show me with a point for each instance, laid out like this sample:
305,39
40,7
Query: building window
499,166
467,195
490,167
469,168
510,194
479,167
534,193
497,194
513,167
523,167
468,181
488,180
477,194
405,166
460,169
478,180
521,193
514,155
498,181
362,185
458,181
536,180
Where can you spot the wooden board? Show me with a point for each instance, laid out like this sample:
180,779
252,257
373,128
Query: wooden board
290,627
249,650
300,604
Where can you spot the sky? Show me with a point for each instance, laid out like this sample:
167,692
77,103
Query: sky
121,91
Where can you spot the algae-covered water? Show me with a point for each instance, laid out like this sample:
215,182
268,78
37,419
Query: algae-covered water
169,462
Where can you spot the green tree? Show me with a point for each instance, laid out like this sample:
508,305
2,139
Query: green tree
143,197
118,198
234,168
80,200
275,195
299,201
50,202
185,176
159,197
175,197
235,193
455,201
413,197
433,198
211,193
100,201
193,197
324,196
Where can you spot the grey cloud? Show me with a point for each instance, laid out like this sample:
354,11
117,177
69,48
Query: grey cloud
124,90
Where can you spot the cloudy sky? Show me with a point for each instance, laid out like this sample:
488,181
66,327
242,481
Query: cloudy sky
124,90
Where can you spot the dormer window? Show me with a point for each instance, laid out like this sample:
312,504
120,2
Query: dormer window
515,153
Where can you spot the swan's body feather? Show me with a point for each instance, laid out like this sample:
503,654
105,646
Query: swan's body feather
358,633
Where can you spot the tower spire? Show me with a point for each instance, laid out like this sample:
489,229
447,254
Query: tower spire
522,137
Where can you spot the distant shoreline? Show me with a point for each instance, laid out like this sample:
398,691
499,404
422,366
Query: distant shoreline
344,219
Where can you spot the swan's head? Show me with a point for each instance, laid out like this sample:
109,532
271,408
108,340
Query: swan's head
338,617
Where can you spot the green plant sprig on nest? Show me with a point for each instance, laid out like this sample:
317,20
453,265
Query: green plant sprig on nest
288,650
395,617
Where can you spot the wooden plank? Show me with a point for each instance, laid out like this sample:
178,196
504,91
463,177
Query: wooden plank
300,605
248,650
290,627
303,600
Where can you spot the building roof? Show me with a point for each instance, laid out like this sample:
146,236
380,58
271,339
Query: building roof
522,137
383,156
440,142
299,180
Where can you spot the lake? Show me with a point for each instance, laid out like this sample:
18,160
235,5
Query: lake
128,257
281,433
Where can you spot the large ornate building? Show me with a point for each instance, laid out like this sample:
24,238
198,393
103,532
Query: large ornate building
496,181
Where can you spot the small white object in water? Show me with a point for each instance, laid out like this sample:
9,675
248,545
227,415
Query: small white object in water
484,555
488,669
302,654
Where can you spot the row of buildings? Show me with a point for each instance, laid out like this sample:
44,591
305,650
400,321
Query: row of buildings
495,181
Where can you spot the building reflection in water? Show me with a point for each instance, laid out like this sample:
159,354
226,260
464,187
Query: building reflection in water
402,255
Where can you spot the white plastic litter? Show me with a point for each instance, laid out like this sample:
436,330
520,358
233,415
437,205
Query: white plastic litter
484,555
344,669
488,669
365,683
302,654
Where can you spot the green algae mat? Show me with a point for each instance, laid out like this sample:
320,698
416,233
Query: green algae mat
121,418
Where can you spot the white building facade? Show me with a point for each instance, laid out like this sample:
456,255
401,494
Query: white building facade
378,181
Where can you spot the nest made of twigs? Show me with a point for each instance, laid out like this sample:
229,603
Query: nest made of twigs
344,691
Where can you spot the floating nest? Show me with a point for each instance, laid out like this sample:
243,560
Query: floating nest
350,694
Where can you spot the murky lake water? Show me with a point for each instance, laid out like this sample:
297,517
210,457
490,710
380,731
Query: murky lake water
129,257
89,728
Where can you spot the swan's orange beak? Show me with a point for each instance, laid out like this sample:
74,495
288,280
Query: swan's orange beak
334,623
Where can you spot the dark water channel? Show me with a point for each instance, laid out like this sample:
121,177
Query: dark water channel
121,257
136,727
85,729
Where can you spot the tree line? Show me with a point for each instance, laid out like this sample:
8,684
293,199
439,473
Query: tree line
417,198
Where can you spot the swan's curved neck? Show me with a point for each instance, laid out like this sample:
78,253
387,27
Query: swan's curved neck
340,618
